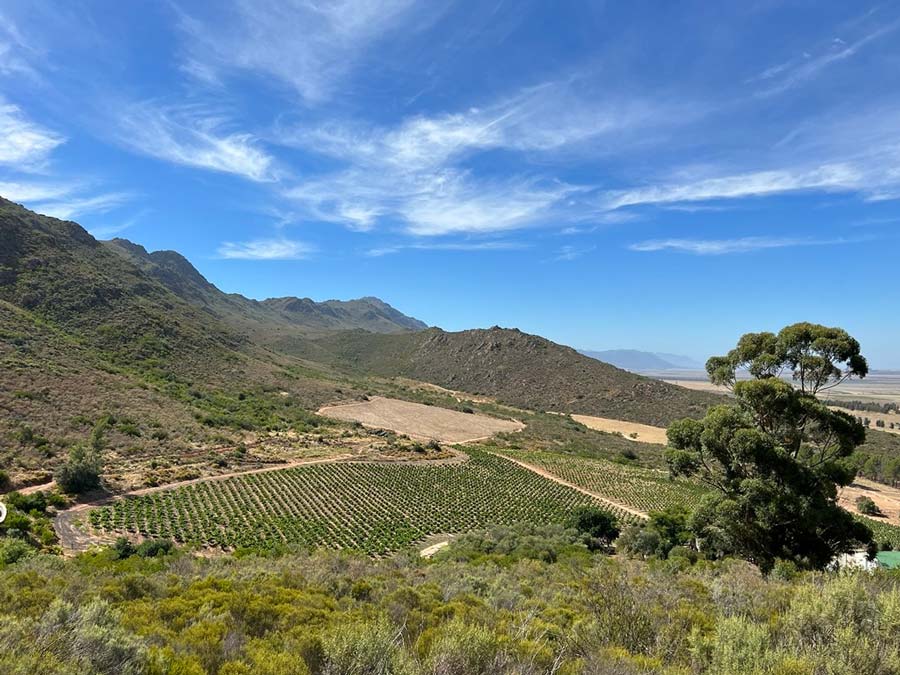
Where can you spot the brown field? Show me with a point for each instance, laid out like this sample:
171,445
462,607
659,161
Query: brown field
419,421
642,432
887,498
880,386
887,418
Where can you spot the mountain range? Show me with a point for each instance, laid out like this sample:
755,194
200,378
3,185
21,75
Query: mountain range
92,329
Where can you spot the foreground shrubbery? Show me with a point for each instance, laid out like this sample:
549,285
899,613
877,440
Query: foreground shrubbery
491,603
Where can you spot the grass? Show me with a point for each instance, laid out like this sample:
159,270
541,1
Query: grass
375,509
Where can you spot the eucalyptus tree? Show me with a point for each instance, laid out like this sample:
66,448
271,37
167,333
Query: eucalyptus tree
777,455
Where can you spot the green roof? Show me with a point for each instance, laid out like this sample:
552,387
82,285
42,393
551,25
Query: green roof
889,559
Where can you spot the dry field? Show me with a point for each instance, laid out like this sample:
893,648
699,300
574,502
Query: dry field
879,386
887,498
887,418
419,421
630,430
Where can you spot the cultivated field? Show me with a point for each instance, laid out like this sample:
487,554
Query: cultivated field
421,421
373,508
630,430
644,490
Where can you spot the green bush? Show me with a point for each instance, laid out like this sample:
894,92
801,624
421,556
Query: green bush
867,507
81,472
13,550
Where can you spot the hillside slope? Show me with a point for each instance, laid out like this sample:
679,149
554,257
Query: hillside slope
88,337
515,368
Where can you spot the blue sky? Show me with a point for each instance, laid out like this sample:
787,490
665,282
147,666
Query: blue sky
649,175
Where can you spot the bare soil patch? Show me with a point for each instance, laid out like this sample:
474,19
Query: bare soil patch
420,421
886,498
630,430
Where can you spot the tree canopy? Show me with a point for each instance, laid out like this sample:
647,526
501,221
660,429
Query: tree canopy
776,456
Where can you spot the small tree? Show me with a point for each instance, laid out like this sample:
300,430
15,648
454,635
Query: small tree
598,524
81,472
775,457
867,507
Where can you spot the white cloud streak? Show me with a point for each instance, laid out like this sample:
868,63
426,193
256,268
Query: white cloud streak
24,144
265,249
66,209
308,45
830,177
449,246
415,171
792,73
738,245
194,137
568,253
31,192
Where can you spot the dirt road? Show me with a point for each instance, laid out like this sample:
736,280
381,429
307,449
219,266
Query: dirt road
556,479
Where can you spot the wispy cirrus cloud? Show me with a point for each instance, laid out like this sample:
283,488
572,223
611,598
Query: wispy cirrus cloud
29,192
64,200
14,49
834,177
116,227
66,209
415,172
24,144
307,45
265,249
449,246
569,252
193,136
737,245
784,76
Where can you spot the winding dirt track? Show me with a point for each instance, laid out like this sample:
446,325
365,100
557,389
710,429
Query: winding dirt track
556,479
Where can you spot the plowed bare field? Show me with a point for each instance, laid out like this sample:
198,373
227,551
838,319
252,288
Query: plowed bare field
419,421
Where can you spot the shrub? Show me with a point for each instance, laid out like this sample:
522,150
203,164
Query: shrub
639,541
4,480
154,547
123,548
13,550
36,501
362,647
81,472
598,524
866,506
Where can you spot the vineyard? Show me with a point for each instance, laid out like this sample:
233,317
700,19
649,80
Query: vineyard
883,532
639,488
365,507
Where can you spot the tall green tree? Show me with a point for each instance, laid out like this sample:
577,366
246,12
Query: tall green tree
776,457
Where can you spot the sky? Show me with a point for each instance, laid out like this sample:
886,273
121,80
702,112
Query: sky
647,175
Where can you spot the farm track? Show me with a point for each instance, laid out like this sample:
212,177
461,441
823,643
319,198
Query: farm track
590,493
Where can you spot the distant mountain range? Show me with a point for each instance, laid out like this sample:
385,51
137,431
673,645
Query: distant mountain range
177,274
638,361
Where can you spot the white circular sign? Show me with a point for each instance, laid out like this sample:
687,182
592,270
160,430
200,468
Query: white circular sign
2,512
